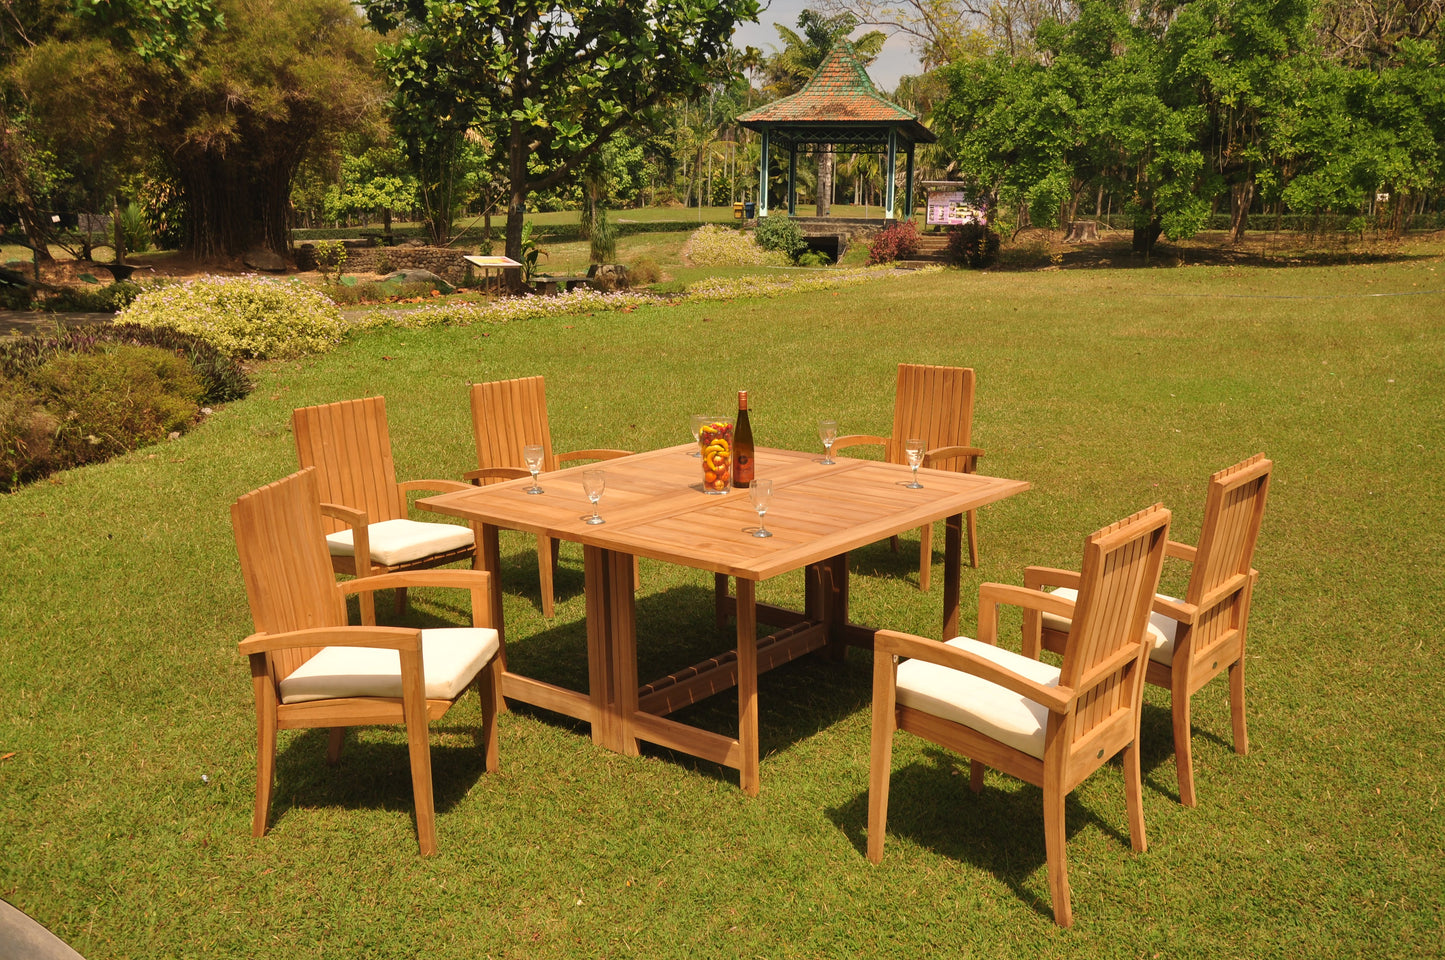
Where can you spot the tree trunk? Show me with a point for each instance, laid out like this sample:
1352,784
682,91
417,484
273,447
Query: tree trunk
825,180
1241,195
516,200
117,231
1146,237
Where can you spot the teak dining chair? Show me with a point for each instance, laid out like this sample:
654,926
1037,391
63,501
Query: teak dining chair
507,416
1194,639
367,527
1050,726
933,404
310,669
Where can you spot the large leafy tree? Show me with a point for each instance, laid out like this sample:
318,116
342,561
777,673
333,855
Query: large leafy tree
547,82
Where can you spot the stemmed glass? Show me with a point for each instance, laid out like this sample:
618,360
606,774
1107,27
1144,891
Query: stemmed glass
828,432
698,419
532,453
913,449
760,493
593,483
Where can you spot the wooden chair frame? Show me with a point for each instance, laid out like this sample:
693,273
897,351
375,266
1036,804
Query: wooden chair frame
1094,712
1213,619
349,444
933,404
508,415
298,608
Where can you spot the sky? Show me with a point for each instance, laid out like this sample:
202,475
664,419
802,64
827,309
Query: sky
896,60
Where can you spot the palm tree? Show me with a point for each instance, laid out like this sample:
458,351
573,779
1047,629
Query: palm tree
788,70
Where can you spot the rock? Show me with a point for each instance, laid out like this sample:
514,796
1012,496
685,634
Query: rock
262,259
419,276
609,277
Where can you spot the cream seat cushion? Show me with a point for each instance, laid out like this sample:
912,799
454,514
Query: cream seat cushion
1162,630
451,657
984,706
402,541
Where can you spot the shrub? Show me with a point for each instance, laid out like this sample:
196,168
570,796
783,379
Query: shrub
116,400
715,246
27,433
331,256
898,242
972,245
644,273
250,317
380,291
111,298
781,234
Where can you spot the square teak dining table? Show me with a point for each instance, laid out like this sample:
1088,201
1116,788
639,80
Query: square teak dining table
654,506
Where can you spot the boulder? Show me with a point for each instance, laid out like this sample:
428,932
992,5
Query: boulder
609,277
419,276
263,259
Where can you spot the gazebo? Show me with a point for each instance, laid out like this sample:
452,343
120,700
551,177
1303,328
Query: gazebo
839,106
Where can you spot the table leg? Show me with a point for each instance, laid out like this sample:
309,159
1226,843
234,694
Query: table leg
952,566
489,558
747,616
611,647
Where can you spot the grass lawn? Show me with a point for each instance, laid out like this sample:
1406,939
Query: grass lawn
127,731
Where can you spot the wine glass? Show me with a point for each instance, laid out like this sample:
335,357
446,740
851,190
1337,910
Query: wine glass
698,419
532,453
760,493
913,449
593,483
828,432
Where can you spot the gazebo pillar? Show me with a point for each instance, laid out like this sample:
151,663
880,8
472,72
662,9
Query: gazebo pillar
793,180
763,177
908,186
890,192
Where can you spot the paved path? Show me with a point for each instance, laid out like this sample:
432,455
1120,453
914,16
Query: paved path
43,321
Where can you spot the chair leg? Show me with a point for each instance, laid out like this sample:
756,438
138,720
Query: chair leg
1236,706
1183,750
333,745
265,777
400,602
925,556
421,787
973,538
367,602
1054,840
545,567
719,599
489,686
880,768
975,775
1134,797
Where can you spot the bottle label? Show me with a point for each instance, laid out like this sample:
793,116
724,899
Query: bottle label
743,469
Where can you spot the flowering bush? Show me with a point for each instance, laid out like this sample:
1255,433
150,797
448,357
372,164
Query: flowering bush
715,246
250,316
898,242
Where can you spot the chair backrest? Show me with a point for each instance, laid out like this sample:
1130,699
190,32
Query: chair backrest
1233,510
1120,575
507,415
349,445
935,405
285,563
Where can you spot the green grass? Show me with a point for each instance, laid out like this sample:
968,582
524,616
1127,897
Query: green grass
1111,389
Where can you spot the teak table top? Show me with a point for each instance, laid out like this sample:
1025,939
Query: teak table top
654,506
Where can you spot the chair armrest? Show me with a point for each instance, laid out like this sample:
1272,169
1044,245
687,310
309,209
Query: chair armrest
360,537
891,643
439,486
598,454
970,455
495,473
391,638
1180,551
477,581
1036,578
859,440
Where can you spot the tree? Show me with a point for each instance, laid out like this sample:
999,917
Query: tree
550,81
788,70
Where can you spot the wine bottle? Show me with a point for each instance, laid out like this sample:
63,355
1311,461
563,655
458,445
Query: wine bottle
743,445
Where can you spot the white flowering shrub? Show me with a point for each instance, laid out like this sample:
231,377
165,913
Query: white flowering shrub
715,246
251,317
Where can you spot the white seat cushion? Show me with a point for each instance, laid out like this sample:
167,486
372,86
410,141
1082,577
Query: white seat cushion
451,657
984,706
402,541
1162,629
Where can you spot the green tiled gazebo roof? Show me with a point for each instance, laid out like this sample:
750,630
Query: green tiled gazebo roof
839,105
